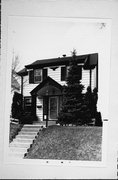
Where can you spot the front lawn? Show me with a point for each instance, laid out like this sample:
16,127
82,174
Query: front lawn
68,143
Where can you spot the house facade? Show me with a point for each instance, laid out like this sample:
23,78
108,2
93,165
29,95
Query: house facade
42,83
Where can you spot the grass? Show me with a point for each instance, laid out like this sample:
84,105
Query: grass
67,143
14,129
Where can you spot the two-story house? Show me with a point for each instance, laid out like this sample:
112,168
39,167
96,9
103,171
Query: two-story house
42,81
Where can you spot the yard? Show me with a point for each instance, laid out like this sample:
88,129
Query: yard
68,143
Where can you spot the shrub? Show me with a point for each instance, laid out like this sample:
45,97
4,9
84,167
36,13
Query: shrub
27,119
64,118
98,119
17,106
14,129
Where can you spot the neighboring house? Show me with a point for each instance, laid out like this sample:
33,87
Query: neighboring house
44,79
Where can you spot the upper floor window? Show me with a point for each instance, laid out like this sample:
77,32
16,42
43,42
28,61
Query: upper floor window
64,72
37,75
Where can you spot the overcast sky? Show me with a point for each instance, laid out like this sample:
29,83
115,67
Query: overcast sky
33,38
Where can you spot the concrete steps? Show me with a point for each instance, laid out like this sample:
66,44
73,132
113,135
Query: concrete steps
23,141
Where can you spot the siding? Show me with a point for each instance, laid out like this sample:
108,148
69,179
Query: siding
56,75
85,79
27,88
39,111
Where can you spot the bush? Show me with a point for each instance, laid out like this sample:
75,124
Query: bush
27,119
98,119
64,119
14,129
16,110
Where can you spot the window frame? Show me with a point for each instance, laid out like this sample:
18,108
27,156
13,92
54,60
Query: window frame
27,104
35,81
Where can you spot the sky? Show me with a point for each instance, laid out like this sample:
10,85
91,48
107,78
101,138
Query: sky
33,38
38,38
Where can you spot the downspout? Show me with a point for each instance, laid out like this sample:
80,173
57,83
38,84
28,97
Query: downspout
22,91
97,75
22,85
90,79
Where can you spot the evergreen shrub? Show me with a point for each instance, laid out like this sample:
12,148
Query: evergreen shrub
16,110
27,118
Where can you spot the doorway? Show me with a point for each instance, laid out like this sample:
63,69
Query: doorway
53,108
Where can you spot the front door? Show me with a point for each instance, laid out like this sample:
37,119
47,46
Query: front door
53,108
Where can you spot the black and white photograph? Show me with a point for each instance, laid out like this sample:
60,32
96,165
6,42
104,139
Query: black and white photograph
57,109
58,93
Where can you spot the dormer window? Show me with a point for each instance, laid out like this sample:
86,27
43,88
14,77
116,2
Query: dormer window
37,75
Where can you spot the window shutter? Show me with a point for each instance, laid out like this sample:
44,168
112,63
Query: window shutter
63,73
31,76
44,73
80,72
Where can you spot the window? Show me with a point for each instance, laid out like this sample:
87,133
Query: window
37,75
64,72
27,101
27,104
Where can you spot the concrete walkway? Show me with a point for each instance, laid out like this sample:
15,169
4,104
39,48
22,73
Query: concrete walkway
23,141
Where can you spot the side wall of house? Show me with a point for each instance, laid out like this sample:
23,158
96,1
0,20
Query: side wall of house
27,88
86,79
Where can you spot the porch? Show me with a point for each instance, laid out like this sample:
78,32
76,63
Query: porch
46,101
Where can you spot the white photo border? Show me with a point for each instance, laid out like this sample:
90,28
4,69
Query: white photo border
8,160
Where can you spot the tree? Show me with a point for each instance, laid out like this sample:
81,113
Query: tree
17,106
73,108
15,86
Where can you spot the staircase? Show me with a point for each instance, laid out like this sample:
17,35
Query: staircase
23,141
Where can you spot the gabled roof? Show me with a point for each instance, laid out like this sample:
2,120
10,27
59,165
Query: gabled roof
48,81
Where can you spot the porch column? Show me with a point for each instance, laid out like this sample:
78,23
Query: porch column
45,109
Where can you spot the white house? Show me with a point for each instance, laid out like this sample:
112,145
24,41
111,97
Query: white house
44,79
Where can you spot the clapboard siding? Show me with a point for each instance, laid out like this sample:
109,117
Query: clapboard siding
56,75
39,108
86,79
27,88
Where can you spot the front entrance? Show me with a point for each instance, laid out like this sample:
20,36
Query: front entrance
53,108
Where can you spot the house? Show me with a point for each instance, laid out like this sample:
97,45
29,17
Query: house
42,82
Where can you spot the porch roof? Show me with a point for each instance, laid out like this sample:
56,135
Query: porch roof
46,86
